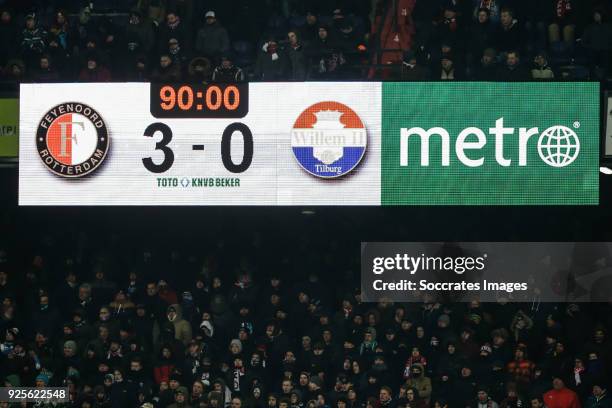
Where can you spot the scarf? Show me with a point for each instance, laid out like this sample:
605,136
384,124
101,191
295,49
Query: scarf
238,372
577,372
563,8
175,24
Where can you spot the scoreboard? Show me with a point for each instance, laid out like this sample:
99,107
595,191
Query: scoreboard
332,143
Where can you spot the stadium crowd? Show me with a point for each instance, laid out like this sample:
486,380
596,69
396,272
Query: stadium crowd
273,40
170,328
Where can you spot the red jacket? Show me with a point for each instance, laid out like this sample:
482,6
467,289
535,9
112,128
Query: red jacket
397,30
162,373
563,398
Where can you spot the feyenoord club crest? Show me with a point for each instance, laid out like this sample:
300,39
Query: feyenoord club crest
328,139
72,140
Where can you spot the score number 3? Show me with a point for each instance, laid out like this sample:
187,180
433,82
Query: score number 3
226,142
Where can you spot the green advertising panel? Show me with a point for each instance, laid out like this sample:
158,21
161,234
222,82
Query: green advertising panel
9,125
490,144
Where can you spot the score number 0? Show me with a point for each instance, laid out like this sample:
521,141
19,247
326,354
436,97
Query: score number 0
226,142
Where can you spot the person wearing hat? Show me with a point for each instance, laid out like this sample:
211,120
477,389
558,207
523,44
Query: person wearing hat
369,343
176,52
181,398
42,380
212,39
33,40
182,328
420,382
139,33
541,70
314,386
487,68
227,72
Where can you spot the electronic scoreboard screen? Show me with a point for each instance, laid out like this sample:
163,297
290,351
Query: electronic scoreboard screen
332,143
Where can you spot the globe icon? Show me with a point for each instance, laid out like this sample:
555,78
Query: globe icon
558,146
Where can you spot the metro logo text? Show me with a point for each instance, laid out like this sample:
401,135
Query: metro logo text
463,144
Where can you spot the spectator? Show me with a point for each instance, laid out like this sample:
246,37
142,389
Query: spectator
167,70
487,69
212,40
347,38
227,72
92,72
512,70
296,57
139,35
450,29
177,54
385,399
164,366
491,7
174,29
509,35
271,64
541,70
413,400
537,402
199,70
521,369
310,31
447,70
322,46
139,70
481,35
560,396
181,397
599,398
45,73
182,329
33,40
420,382
483,400
581,381
61,43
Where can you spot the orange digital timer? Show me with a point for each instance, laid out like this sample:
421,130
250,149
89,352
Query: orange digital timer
200,101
